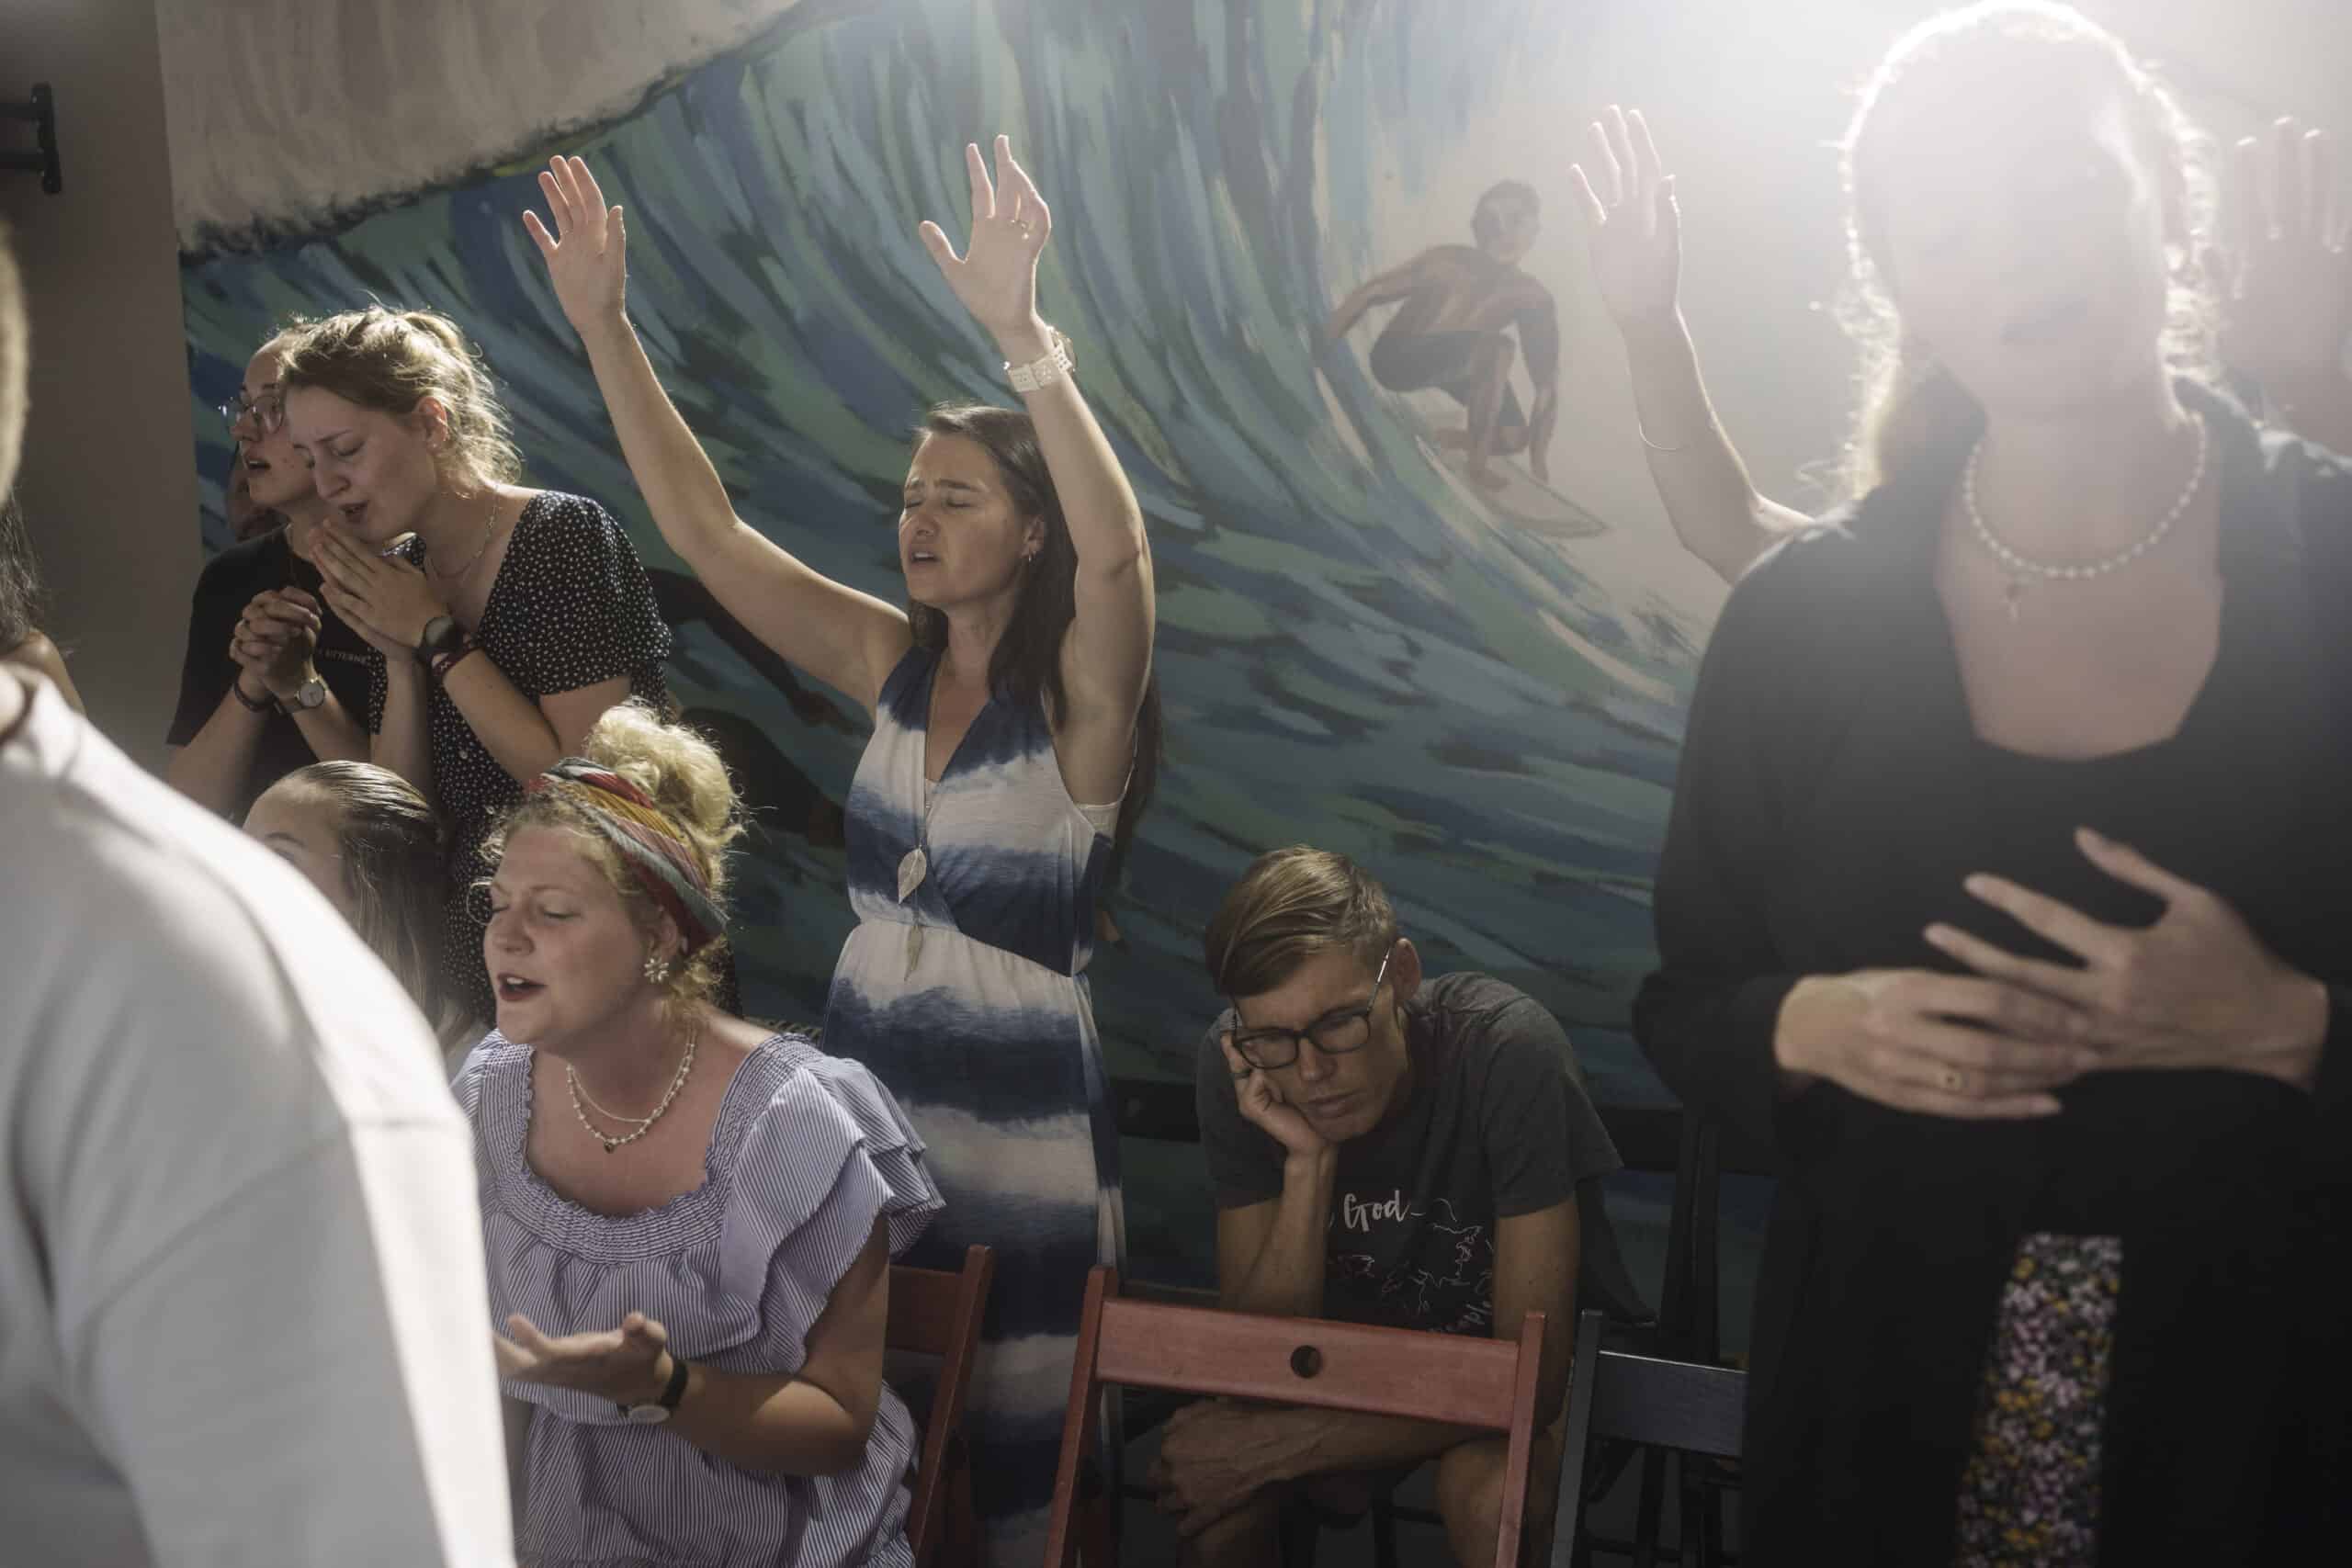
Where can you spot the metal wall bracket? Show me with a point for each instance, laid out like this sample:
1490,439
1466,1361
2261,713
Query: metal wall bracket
42,111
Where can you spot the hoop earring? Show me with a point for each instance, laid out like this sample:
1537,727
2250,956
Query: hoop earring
656,968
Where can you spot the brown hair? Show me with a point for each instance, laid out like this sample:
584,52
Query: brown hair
1027,663
680,772
14,355
1289,907
392,848
1910,406
392,360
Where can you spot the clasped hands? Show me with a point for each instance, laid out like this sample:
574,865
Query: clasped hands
2197,990
274,639
384,598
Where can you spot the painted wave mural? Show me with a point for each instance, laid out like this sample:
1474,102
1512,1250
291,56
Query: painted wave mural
1480,700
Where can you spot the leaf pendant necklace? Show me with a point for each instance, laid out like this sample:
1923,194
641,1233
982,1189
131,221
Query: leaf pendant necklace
914,867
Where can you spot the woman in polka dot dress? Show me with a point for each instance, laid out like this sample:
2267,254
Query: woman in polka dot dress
507,620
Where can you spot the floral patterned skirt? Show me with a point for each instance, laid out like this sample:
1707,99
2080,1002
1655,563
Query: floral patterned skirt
2030,1494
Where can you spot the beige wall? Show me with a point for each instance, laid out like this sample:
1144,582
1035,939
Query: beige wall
107,482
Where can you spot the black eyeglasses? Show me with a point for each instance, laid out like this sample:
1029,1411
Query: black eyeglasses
268,409
1336,1034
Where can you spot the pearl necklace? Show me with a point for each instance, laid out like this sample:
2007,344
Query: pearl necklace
644,1124
2022,570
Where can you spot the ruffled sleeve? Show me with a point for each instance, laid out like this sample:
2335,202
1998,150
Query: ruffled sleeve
832,1154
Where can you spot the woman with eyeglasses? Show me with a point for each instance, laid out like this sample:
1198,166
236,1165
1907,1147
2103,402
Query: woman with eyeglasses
274,679
1016,732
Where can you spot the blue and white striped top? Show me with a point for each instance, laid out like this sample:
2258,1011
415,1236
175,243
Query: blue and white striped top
808,1150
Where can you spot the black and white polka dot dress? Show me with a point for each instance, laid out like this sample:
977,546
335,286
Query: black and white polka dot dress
571,607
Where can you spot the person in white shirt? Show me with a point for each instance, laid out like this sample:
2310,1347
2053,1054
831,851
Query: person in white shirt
241,1276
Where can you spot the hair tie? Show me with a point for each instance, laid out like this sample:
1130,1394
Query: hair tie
656,852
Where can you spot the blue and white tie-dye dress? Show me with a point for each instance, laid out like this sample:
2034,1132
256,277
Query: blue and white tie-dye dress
968,1000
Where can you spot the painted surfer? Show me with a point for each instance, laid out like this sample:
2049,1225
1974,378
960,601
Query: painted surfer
1457,305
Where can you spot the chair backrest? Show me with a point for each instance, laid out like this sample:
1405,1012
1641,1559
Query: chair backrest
1458,1378
933,1312
1640,1399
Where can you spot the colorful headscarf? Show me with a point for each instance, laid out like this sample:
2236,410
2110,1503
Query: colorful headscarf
660,856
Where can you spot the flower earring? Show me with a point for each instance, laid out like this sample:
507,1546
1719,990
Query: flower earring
656,968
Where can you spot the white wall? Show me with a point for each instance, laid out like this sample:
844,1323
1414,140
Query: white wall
107,484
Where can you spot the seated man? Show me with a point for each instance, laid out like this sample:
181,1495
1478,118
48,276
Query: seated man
1383,1151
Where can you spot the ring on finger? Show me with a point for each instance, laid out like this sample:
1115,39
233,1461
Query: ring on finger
1952,1079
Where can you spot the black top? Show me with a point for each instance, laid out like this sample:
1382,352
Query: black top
227,583
1498,1125
571,607
1833,793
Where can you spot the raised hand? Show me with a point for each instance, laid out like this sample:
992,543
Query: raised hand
996,278
587,256
626,1365
2287,283
1262,1106
275,637
2196,989
1632,229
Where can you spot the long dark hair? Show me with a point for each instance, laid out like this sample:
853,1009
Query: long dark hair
22,597
1027,664
1911,409
394,868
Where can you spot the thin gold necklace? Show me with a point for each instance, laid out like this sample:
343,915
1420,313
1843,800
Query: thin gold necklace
489,530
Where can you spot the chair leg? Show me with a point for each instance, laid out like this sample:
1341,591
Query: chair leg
1648,1508
1097,1522
1384,1532
1299,1532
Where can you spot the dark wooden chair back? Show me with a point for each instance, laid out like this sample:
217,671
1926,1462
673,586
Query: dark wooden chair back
1615,1394
1459,1379
933,1312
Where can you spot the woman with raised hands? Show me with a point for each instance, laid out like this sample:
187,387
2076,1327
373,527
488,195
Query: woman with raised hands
1016,737
504,620
2006,892
689,1218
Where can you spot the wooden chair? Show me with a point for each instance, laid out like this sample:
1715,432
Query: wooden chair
1660,1405
1460,1379
933,1312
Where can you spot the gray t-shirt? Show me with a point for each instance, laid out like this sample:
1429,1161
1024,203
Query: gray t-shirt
1497,1125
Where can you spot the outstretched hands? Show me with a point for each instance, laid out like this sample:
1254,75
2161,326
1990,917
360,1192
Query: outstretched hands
1632,229
624,1364
996,278
587,254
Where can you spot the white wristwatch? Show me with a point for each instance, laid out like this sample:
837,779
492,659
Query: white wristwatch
660,1409
1044,372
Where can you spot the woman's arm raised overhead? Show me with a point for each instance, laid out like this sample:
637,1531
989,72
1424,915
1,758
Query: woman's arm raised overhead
1107,660
848,639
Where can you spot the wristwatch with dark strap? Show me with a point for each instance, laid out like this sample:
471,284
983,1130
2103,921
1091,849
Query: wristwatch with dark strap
664,1407
442,635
